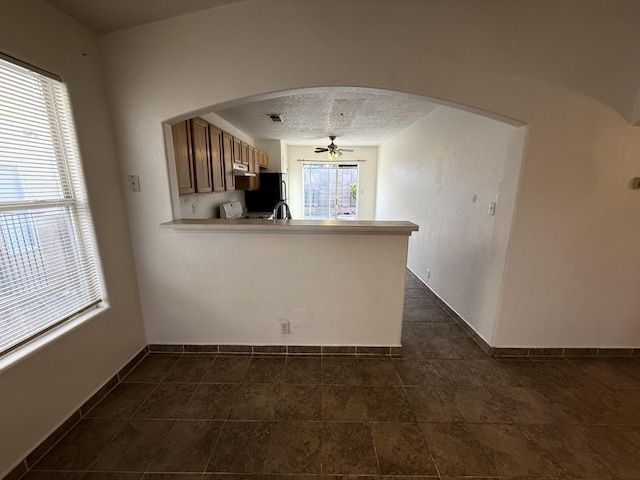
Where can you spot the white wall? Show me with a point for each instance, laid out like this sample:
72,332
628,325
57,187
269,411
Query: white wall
41,390
441,173
277,151
566,68
248,282
367,175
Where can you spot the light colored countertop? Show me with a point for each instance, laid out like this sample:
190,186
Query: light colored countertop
358,227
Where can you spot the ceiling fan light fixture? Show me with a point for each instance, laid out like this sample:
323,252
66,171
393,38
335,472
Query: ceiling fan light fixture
333,152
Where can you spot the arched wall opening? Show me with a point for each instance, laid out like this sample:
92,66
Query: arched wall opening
442,171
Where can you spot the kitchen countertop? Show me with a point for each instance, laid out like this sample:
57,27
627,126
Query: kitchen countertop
358,227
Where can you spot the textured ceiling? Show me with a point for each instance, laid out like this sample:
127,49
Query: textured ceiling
357,116
105,16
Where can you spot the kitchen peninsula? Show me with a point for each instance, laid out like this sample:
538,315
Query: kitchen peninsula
336,283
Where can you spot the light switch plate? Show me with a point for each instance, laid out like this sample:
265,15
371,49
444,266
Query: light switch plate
134,183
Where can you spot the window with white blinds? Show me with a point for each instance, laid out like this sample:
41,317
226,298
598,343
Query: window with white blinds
49,270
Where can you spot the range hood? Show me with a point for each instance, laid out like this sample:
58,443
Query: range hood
241,170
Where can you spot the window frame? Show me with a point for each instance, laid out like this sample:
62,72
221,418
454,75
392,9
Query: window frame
337,164
72,202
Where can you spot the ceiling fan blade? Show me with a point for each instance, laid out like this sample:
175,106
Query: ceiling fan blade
320,150
346,150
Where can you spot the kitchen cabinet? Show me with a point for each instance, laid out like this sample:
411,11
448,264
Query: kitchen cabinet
201,149
205,155
191,149
245,153
263,160
181,133
237,150
250,183
227,158
217,161
254,167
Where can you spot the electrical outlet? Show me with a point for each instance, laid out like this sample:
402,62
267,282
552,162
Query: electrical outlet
492,208
193,208
284,327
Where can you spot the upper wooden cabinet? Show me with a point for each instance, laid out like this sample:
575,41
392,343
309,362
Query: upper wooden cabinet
217,160
204,156
192,156
237,150
254,167
201,155
263,159
250,183
245,153
227,156
184,165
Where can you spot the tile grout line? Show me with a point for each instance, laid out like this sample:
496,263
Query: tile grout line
128,419
368,417
177,419
224,423
373,441
426,444
321,384
226,419
132,417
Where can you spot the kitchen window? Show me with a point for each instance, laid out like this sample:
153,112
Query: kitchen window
49,268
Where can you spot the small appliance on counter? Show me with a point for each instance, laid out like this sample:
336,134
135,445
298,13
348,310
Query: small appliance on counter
273,189
233,211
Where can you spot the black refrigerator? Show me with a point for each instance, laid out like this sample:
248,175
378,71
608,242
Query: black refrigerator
273,188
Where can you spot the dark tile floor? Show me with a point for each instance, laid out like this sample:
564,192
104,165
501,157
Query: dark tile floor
442,410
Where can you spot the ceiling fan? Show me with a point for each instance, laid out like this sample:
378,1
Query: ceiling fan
333,152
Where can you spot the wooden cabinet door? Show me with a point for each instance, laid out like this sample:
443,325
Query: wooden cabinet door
264,160
237,150
181,133
201,159
227,157
250,156
217,161
245,153
255,168
249,183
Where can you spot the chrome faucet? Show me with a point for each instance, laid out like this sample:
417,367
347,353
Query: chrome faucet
278,205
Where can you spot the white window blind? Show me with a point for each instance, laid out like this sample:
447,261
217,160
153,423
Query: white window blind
49,271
